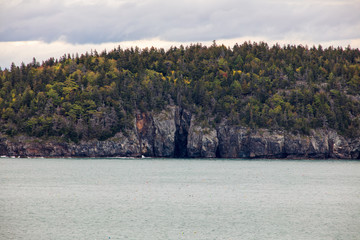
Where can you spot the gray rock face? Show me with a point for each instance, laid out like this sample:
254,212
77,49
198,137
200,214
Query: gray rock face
320,144
32,147
174,132
145,132
118,146
266,144
338,146
296,146
355,149
240,142
164,133
202,142
233,142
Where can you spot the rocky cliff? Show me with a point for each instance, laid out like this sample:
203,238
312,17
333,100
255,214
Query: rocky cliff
175,132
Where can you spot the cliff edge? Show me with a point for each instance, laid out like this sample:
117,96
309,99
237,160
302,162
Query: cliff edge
175,132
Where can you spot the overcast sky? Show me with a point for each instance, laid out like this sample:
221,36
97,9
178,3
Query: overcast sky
50,28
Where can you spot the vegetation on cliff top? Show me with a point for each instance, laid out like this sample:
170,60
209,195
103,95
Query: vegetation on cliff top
294,88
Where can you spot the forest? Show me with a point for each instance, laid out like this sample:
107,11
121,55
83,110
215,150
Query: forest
95,95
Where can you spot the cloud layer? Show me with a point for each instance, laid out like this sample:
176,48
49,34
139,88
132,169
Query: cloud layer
50,28
98,21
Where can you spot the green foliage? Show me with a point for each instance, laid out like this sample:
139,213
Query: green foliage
94,96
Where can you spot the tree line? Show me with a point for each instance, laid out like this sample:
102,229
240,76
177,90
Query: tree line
94,96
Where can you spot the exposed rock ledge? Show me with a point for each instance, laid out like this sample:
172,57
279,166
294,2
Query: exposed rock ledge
175,133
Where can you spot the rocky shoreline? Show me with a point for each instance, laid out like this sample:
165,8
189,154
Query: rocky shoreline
174,132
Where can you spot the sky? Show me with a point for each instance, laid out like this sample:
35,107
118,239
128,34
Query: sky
52,28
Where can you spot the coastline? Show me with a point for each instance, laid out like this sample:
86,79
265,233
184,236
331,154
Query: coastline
175,133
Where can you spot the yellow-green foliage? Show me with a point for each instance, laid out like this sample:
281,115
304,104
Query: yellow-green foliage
96,95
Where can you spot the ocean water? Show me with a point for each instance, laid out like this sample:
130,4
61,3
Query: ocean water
179,199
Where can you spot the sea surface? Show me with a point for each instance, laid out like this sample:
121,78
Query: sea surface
179,199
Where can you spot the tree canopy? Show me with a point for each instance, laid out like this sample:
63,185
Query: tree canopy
93,96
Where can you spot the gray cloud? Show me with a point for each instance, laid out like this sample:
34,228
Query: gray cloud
97,21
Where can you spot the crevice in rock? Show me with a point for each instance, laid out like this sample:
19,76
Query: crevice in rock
152,141
3,149
283,155
182,122
217,152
